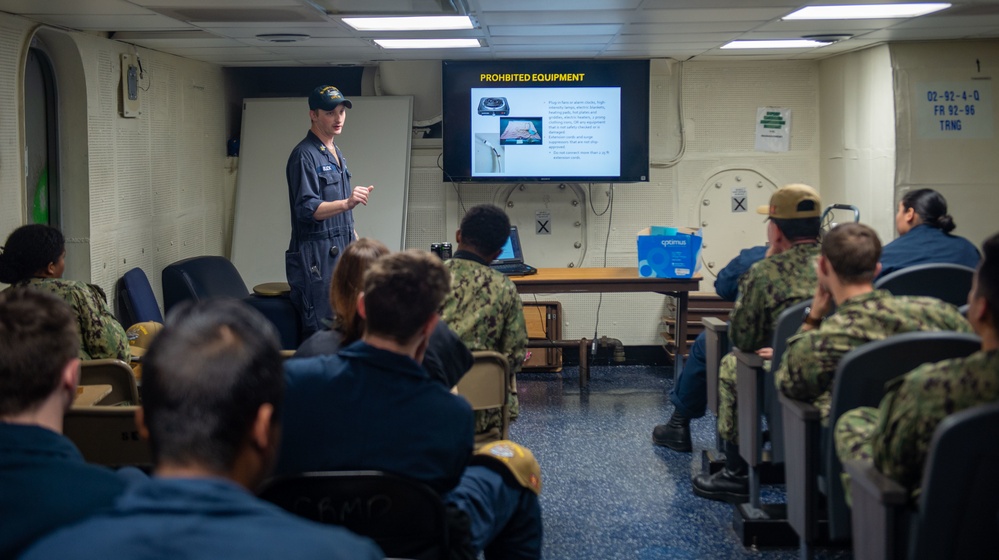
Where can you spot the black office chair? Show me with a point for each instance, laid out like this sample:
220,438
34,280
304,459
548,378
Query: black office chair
812,466
948,282
201,278
957,511
405,517
135,300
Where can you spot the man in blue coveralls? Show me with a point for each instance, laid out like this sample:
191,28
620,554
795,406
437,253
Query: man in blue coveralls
322,200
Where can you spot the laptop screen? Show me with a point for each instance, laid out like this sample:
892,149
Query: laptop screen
511,252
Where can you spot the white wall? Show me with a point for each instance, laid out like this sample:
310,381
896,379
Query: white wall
858,136
154,185
965,170
13,44
719,103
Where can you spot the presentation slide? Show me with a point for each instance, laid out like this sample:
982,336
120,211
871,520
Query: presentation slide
554,132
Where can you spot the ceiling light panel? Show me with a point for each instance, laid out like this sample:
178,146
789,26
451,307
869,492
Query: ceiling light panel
428,43
866,11
777,44
415,23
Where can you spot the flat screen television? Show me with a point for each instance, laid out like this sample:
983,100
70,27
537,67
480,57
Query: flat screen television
522,121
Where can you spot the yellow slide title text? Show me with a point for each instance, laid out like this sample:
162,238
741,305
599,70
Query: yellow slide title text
531,77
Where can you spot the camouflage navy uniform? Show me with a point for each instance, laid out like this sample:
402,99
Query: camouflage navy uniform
765,291
897,434
486,312
100,334
806,373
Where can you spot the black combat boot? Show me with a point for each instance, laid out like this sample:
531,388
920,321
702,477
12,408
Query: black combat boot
731,484
674,434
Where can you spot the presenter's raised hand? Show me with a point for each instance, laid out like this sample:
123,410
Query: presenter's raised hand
359,196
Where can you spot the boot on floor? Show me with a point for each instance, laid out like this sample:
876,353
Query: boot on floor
730,484
674,434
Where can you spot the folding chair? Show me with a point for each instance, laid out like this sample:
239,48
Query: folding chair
107,435
487,385
117,374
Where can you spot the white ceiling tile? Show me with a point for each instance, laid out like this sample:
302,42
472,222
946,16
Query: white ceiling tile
669,15
552,18
729,4
580,49
682,37
69,7
501,30
113,22
663,28
292,51
551,40
217,51
552,5
955,21
322,42
310,29
894,34
161,44
232,4
693,45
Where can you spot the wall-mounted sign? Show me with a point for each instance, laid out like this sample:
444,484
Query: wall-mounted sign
958,110
773,129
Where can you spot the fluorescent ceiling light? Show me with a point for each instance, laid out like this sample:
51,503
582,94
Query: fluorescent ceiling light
417,23
428,43
866,11
781,44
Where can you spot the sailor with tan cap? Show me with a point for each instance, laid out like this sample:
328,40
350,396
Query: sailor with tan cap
785,277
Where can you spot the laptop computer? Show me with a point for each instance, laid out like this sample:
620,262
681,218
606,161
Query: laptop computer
511,259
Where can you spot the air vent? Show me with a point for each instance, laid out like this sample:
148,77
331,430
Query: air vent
283,37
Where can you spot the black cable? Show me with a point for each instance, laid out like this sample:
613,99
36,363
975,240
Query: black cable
610,220
590,193
453,184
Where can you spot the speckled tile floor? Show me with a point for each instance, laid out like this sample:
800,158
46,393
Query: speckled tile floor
609,493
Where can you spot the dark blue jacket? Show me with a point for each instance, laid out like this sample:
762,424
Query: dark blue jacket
367,408
727,283
447,358
45,484
200,518
925,244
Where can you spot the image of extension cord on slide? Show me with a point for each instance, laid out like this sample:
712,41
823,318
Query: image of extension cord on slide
488,153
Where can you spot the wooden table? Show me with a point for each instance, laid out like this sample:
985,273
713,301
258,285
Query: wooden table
607,280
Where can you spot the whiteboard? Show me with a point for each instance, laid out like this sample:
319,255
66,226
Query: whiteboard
376,144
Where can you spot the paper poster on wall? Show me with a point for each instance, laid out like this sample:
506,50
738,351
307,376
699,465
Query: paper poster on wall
953,110
773,129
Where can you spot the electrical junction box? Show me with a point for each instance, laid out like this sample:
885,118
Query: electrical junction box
131,107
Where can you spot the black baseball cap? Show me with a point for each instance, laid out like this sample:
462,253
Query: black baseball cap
327,98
